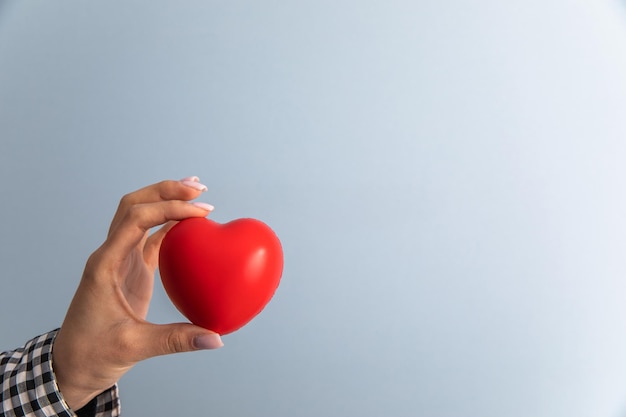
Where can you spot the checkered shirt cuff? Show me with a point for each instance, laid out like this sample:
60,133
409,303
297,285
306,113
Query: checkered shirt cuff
28,387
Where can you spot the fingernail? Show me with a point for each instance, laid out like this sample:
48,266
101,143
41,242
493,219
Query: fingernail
194,184
192,178
204,206
208,341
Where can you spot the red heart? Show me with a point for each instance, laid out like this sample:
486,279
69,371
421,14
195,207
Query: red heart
220,276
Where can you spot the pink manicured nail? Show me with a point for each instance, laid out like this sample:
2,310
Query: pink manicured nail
208,341
205,206
193,178
195,185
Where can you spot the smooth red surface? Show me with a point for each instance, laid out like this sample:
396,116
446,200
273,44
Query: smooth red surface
220,276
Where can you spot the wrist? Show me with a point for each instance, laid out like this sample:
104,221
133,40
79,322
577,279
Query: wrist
72,377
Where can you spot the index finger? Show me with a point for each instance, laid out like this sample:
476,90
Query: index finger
185,189
140,218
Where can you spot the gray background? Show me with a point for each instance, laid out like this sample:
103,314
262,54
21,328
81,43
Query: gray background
447,179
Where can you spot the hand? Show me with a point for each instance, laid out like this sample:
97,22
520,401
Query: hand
105,331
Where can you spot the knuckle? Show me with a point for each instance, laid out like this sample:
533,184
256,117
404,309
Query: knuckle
124,342
167,189
174,343
126,200
93,262
96,268
126,346
167,184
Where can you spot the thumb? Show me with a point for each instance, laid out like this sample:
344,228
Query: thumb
165,339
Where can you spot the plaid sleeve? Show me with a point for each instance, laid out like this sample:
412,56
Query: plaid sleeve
28,387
